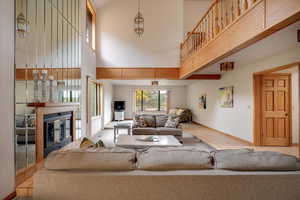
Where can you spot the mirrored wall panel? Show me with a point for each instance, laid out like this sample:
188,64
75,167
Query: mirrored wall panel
48,57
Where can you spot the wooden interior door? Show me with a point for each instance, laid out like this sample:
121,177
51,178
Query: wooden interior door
276,110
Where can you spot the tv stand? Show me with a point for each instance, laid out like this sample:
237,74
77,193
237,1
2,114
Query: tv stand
119,115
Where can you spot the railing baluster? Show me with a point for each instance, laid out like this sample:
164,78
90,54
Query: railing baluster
211,22
217,28
202,35
208,27
226,13
232,11
239,7
246,5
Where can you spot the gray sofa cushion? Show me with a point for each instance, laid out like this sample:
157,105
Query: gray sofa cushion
169,131
161,120
242,160
298,165
116,159
179,158
144,131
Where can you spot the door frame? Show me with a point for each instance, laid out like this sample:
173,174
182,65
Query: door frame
257,99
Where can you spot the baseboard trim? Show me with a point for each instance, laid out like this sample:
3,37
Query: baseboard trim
11,196
226,134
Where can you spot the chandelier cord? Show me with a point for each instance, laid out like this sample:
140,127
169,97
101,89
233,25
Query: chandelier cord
139,5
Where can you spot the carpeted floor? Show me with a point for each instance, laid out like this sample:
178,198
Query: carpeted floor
107,136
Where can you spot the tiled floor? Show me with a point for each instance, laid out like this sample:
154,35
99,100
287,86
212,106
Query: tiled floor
211,137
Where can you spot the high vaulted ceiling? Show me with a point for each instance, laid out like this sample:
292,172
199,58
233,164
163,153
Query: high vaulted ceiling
100,3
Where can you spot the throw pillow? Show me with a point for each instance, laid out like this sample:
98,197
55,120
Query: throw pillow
172,122
141,122
179,111
172,111
87,143
150,120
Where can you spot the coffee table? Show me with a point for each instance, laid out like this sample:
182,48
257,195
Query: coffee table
134,142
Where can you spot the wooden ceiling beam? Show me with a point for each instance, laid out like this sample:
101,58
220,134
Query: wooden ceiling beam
119,73
205,77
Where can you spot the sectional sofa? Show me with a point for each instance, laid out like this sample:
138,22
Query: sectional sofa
185,173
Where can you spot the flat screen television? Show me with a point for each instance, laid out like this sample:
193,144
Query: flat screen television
119,105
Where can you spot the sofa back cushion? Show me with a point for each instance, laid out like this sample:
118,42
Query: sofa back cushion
161,120
116,159
174,158
148,119
172,122
255,161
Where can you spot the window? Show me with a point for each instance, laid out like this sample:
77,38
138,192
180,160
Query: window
96,95
90,24
89,27
151,100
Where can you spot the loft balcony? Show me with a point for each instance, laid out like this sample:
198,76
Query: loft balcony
231,25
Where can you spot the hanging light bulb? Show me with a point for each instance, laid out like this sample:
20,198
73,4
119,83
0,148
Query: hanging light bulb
139,22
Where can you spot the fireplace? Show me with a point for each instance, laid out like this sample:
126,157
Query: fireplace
58,131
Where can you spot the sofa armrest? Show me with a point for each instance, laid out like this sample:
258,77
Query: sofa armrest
134,124
179,126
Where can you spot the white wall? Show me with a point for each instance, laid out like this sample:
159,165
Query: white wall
294,71
88,68
118,45
7,169
237,121
177,96
193,12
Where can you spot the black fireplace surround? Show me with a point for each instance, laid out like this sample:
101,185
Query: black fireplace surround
58,131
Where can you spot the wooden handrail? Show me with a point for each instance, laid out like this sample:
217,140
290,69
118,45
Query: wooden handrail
221,14
198,24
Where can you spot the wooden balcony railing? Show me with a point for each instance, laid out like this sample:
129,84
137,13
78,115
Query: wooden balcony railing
221,14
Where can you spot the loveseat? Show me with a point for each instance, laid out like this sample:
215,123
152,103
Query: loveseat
168,174
184,114
155,126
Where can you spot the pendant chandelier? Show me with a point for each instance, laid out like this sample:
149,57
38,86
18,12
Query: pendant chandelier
22,23
139,21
